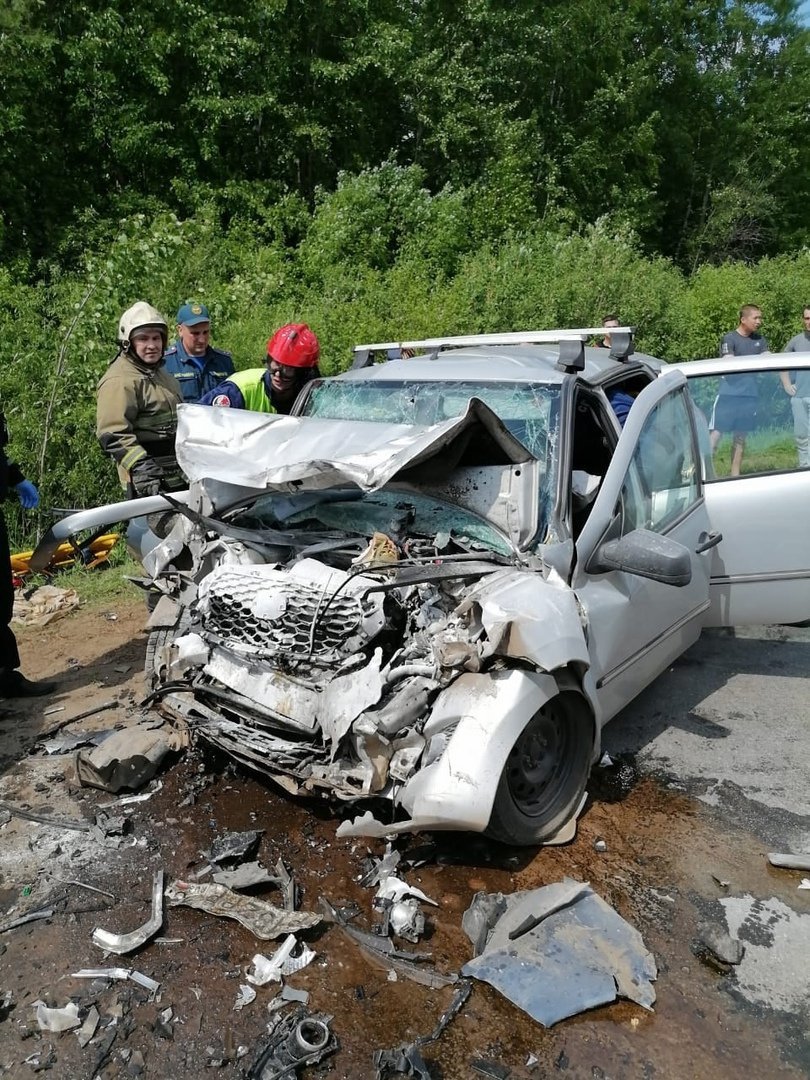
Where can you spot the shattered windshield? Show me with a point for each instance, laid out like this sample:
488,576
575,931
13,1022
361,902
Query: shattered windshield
528,410
402,516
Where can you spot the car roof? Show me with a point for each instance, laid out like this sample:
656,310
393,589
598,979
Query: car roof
497,363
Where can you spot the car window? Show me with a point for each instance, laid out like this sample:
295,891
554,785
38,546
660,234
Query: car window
527,410
762,415
663,479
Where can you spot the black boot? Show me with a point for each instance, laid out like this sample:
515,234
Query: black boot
15,684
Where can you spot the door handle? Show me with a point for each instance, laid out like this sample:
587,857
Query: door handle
706,541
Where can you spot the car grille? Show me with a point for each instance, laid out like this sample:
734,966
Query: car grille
276,617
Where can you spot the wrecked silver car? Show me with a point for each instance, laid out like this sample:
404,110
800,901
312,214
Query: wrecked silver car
370,621
429,592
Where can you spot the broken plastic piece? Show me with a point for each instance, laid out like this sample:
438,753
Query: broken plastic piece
579,956
292,993
245,996
261,918
88,1028
282,962
393,888
57,1019
126,943
565,897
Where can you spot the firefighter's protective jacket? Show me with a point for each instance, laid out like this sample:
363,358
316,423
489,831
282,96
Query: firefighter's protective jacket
136,414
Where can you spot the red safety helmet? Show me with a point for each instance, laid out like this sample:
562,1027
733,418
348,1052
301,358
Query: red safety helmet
294,345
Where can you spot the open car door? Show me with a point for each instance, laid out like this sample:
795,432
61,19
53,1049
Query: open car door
642,557
760,570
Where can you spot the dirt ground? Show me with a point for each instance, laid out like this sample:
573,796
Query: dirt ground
665,857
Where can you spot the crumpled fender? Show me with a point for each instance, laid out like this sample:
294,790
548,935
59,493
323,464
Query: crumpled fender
527,616
457,791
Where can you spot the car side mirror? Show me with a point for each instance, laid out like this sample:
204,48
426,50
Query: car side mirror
645,554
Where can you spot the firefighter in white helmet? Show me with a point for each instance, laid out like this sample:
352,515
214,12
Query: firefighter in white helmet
136,414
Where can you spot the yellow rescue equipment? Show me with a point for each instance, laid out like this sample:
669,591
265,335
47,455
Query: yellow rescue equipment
91,553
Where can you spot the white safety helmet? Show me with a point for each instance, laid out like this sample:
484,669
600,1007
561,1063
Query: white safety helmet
141,316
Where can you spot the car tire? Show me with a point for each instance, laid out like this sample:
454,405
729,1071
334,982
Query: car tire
154,643
545,774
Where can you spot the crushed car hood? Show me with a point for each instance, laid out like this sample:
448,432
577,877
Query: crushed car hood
259,451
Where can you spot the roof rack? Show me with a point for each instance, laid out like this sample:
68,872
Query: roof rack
518,337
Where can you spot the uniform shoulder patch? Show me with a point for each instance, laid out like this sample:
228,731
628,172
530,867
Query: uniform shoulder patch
221,399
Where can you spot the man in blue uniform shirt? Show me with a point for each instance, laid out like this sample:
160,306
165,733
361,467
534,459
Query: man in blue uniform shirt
194,363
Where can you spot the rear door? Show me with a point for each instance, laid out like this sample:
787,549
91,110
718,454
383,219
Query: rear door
760,571
636,626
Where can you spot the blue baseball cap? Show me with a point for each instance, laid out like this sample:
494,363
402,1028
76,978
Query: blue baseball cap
191,314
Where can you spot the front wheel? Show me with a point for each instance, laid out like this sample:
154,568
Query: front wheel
545,774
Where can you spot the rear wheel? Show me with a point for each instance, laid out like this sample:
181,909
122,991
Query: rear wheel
545,774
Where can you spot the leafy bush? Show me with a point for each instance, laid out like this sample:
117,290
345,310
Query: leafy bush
379,259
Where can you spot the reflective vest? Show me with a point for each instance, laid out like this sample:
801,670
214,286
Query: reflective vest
251,384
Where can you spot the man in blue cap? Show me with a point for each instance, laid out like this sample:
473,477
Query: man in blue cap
194,363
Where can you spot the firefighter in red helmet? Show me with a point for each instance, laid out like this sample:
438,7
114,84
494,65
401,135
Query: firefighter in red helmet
292,361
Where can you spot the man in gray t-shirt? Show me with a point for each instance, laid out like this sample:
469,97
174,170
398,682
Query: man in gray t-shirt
735,407
797,385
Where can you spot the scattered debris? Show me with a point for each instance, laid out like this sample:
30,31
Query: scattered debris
235,846
128,800
406,920
44,819
291,993
57,1019
66,744
88,1028
118,974
573,952
393,888
404,1061
721,883
245,876
383,953
126,943
129,758
489,1068
52,730
299,1039
719,945
84,885
600,846
21,920
281,963
788,861
245,996
481,916
407,1060
804,883
262,919
383,868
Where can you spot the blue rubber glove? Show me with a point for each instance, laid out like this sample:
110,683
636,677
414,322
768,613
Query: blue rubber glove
28,494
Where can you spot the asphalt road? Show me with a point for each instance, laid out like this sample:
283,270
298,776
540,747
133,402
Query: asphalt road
729,723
